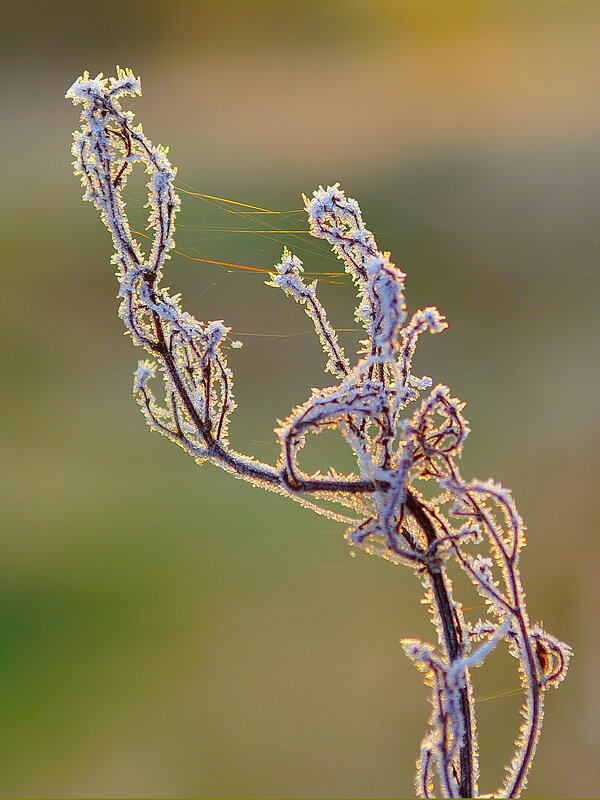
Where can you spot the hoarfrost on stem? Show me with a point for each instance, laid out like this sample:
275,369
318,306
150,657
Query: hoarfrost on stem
397,446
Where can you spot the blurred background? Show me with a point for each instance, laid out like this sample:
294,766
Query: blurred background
165,631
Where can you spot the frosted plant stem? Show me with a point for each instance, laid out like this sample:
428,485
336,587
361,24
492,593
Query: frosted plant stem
453,635
398,443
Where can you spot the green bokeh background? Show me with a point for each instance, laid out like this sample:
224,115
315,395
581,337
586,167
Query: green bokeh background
166,631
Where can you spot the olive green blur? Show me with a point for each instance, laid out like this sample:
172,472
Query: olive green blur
166,630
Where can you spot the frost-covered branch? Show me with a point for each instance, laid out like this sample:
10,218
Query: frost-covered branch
397,446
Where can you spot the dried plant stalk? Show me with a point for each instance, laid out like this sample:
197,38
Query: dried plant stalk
398,442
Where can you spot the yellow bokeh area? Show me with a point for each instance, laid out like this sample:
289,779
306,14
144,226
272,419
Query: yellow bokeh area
168,631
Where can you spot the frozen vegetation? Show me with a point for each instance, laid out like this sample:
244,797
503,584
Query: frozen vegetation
403,434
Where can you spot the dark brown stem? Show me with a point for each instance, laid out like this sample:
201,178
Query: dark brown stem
452,638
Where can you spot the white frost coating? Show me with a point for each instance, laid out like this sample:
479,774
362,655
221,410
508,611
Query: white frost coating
145,371
288,277
337,219
399,448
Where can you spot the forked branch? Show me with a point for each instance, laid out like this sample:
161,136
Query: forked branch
397,446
